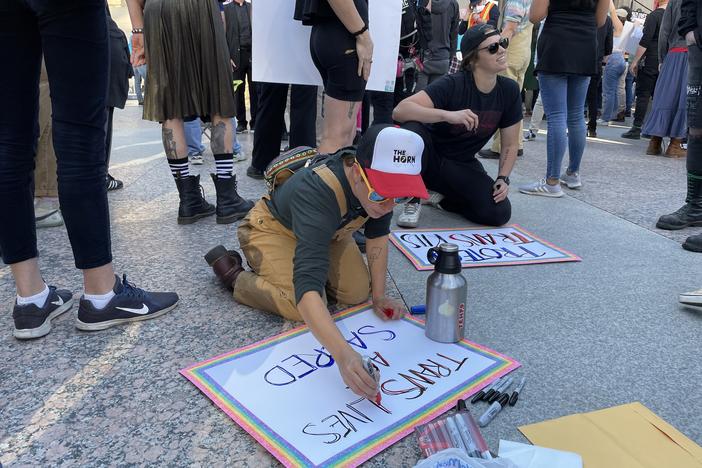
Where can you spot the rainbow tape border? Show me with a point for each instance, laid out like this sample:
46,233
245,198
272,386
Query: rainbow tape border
419,263
364,449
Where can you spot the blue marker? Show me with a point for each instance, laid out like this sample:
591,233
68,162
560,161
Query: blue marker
418,309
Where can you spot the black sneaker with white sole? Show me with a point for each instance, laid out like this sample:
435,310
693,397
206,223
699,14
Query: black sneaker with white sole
130,304
32,321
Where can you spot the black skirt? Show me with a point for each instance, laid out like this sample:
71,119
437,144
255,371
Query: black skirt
189,72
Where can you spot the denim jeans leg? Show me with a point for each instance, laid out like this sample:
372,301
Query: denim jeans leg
74,37
236,146
694,111
193,137
610,85
19,129
577,92
553,96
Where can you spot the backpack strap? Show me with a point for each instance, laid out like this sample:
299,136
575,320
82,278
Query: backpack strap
332,181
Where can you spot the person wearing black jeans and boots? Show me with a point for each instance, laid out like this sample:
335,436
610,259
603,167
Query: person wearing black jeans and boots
690,214
238,23
647,73
271,118
605,35
72,36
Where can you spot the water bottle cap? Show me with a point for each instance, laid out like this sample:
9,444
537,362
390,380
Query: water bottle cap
446,247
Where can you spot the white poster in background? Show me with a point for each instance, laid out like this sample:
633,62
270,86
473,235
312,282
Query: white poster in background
281,45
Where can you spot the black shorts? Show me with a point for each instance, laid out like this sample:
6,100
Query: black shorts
333,51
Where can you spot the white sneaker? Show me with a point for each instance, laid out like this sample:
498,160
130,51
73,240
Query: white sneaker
409,218
196,160
240,156
571,181
603,123
433,200
692,299
48,220
542,188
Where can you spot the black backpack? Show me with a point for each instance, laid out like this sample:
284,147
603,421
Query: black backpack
415,25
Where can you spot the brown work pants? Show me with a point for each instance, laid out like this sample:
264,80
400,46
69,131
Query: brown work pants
269,248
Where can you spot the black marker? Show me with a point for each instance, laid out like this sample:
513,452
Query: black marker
501,390
515,395
479,396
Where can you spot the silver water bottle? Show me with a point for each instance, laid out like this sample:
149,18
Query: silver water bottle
446,295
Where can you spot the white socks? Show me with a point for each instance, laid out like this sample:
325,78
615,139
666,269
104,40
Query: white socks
37,299
99,301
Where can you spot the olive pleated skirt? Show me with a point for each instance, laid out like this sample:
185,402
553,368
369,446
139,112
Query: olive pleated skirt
189,72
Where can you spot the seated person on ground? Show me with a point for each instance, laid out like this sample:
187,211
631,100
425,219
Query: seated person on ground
455,116
298,240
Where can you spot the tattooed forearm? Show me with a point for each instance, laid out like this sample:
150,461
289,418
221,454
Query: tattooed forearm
218,142
169,144
351,106
374,255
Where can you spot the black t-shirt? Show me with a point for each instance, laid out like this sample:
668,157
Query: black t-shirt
500,108
649,40
568,42
312,12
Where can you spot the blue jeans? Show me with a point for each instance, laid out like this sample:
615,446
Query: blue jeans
610,84
563,97
193,137
71,36
139,75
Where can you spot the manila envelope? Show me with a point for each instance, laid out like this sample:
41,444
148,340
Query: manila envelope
626,436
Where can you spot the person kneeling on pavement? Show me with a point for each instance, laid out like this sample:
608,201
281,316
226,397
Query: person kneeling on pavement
298,242
456,116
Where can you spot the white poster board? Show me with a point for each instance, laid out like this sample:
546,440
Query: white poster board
287,391
479,247
281,45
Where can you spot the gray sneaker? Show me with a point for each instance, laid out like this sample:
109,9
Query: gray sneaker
409,218
433,200
240,156
572,181
542,188
196,159
692,299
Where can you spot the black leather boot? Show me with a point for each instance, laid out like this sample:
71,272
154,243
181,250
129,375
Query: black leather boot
634,133
690,214
230,206
693,243
193,205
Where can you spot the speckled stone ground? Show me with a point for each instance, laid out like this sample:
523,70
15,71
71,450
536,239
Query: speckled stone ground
593,334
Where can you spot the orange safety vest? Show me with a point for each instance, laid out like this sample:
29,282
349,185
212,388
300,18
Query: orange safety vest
483,17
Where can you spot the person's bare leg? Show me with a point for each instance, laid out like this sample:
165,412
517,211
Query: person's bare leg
28,280
173,134
99,280
339,126
222,141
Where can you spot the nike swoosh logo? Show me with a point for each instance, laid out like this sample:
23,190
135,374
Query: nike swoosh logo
143,311
59,302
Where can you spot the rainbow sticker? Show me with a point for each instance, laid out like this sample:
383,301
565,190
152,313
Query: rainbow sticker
480,246
287,392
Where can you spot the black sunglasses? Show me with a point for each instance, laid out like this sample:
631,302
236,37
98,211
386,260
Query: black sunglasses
494,47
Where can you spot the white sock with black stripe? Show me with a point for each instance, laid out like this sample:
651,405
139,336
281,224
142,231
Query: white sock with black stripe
225,165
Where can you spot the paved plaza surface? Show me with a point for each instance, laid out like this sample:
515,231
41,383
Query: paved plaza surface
590,335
